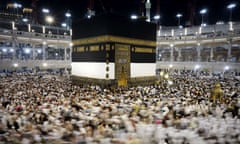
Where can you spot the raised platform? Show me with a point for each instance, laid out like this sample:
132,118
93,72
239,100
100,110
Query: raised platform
112,82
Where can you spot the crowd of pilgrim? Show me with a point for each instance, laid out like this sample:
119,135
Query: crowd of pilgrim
47,108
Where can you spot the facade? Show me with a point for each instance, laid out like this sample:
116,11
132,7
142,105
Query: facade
25,46
211,48
111,47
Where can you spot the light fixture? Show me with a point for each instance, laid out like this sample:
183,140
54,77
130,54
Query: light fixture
49,19
161,73
226,68
166,76
44,10
203,11
179,15
67,14
15,65
197,67
64,25
25,20
27,50
39,51
156,17
134,17
44,64
231,6
16,5
4,50
170,82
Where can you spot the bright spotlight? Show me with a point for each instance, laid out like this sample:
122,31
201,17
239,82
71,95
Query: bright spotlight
226,68
203,11
25,20
170,82
161,73
4,50
170,65
67,14
64,25
16,5
39,51
166,76
134,16
44,64
204,24
179,15
156,17
15,65
197,67
49,19
231,6
44,10
27,50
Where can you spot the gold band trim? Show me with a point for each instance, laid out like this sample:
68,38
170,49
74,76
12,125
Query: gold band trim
110,38
144,50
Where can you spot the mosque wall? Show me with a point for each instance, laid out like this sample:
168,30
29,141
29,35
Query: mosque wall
93,70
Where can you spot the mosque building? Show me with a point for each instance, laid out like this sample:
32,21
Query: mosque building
27,45
210,48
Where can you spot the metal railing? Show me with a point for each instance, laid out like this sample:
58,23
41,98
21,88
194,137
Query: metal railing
201,65
5,32
194,33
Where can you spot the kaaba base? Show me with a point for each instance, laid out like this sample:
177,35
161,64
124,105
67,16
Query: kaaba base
136,81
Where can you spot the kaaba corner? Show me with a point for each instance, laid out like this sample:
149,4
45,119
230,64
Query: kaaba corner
111,49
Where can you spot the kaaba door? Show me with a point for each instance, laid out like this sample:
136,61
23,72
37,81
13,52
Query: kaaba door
122,64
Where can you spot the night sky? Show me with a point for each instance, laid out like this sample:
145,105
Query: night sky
217,10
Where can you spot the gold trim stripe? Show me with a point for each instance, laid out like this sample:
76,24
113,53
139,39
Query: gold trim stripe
79,49
110,38
94,48
122,47
144,50
108,47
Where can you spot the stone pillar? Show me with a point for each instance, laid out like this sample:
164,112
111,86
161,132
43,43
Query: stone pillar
229,53
14,46
198,53
211,54
34,51
171,54
65,53
70,53
179,54
179,71
44,51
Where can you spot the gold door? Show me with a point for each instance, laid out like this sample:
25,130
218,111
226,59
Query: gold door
122,64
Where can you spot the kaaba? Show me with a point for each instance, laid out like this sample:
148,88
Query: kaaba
113,48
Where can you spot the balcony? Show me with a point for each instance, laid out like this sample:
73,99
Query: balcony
41,64
212,66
